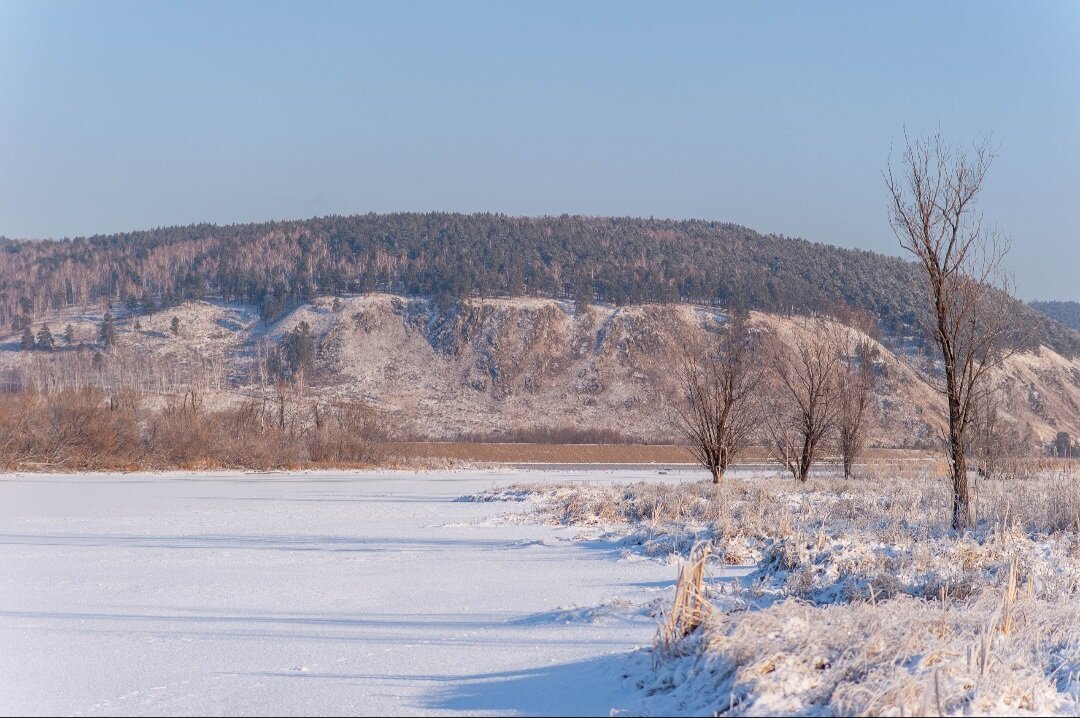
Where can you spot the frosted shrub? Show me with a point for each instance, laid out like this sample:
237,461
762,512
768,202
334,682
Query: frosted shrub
864,601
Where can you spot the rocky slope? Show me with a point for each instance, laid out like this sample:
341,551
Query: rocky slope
493,366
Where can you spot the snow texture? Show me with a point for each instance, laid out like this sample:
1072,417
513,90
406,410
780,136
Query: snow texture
856,597
312,593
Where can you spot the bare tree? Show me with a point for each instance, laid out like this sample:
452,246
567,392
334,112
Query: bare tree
997,445
804,408
932,212
721,411
855,380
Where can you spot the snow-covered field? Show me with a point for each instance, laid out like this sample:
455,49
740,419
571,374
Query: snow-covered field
385,593
325,593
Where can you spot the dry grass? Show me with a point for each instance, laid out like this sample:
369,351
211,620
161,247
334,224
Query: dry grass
862,601
690,608
907,505
904,657
90,430
550,453
547,449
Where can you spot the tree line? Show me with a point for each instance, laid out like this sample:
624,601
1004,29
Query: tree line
797,397
277,265
802,399
106,335
1068,313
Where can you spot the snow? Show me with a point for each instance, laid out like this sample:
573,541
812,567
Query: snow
853,597
314,593
530,591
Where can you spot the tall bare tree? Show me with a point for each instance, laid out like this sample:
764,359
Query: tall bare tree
804,406
721,411
933,214
854,381
996,444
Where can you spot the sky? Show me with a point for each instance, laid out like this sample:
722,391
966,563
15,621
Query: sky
779,116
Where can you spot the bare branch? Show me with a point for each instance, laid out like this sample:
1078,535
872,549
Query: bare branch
933,214
720,412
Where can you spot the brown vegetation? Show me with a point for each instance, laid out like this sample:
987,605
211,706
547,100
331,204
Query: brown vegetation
428,452
423,452
551,435
690,609
89,430
562,377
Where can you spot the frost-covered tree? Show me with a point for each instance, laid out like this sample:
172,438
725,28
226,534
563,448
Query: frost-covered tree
45,339
107,331
1062,444
855,380
294,354
933,214
26,343
803,407
721,412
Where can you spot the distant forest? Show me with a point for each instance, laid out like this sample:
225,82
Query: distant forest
1068,313
453,256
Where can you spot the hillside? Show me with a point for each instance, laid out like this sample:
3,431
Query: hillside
490,367
623,261
1067,313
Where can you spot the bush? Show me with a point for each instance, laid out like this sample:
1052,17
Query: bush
88,429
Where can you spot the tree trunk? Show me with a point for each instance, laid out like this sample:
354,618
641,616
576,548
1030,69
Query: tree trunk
961,499
961,516
805,460
721,465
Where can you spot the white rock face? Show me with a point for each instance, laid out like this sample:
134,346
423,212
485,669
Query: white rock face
495,365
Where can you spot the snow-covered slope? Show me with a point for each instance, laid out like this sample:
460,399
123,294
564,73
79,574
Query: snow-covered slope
496,365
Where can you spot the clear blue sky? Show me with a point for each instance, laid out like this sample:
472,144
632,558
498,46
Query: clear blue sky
779,116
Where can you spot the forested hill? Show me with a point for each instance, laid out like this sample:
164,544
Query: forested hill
1068,313
449,256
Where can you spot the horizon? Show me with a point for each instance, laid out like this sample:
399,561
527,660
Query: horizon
128,117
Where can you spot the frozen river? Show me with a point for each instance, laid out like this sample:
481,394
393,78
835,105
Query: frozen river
358,593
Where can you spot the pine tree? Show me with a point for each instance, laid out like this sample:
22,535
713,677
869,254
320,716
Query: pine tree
107,331
27,341
69,335
174,325
516,284
45,339
1062,444
583,295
